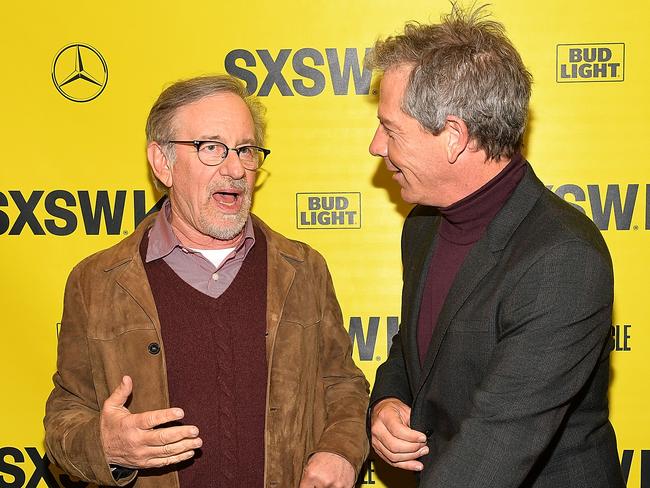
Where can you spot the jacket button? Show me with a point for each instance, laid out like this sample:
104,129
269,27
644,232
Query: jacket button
153,348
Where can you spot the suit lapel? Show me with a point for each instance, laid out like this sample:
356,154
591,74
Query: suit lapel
478,263
135,282
280,276
280,252
133,277
422,251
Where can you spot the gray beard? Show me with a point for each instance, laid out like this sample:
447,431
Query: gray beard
234,223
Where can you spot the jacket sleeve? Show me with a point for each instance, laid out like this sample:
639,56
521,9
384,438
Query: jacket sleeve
345,386
391,379
72,434
555,326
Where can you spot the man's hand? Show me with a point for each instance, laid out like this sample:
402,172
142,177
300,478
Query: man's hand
130,440
393,439
326,469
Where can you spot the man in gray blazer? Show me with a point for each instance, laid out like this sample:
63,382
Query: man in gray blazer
498,376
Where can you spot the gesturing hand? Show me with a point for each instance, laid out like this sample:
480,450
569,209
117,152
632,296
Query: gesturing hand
130,440
393,439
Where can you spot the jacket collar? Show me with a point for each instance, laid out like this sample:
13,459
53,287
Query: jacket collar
283,254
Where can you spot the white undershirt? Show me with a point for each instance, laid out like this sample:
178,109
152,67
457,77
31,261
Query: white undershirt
215,256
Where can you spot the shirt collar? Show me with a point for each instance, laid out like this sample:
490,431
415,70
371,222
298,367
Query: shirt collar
162,240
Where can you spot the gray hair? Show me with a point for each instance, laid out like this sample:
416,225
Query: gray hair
160,123
463,66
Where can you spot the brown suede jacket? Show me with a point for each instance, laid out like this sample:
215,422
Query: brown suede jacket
316,397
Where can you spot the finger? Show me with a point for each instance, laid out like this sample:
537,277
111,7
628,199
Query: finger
393,456
410,465
170,435
396,416
167,461
399,430
171,450
121,394
387,456
149,420
399,446
393,443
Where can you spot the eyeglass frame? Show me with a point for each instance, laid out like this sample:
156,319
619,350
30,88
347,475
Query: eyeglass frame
197,145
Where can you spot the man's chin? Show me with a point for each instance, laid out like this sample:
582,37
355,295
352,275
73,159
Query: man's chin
227,226
407,196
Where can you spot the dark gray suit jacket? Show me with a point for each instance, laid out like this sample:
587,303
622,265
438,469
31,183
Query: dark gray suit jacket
513,391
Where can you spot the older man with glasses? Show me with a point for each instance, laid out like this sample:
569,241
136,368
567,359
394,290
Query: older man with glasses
206,349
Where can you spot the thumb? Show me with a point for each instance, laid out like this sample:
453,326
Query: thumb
404,413
121,394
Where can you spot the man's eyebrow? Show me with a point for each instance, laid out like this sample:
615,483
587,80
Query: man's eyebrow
387,123
246,142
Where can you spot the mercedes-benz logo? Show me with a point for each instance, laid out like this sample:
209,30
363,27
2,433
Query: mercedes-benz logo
79,72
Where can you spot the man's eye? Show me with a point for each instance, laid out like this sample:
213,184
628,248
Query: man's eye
210,147
246,151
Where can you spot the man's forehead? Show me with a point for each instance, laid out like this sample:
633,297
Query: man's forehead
226,110
391,92
398,74
393,83
215,103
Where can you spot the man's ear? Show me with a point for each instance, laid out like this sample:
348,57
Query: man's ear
458,137
159,163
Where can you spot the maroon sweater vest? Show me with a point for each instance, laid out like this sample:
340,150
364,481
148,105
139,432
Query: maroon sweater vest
215,351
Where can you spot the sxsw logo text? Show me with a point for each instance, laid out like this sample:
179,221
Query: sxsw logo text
642,464
610,207
29,468
365,342
305,72
335,210
590,62
63,212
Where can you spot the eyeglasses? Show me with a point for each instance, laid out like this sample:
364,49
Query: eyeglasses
213,153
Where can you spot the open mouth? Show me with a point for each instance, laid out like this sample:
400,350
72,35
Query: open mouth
227,198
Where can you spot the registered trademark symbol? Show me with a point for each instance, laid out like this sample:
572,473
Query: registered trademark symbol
636,227
377,358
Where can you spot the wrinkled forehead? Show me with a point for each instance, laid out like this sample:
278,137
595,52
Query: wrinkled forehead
224,114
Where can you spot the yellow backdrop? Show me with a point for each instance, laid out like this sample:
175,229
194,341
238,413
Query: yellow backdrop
74,177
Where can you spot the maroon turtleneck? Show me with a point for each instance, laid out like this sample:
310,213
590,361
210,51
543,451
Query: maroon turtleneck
463,223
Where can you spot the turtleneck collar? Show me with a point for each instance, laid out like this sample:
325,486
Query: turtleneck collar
465,221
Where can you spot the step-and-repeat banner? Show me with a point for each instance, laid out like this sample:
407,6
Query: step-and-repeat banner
78,80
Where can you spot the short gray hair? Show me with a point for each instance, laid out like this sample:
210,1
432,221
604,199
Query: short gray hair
463,66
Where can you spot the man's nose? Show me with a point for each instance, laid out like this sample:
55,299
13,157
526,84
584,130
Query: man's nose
232,167
378,145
